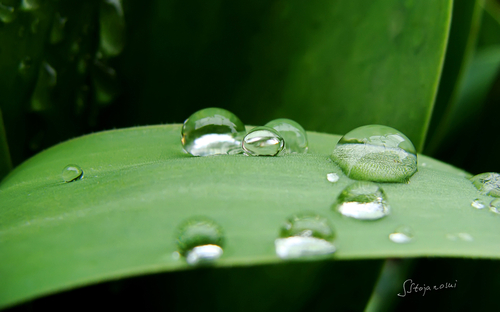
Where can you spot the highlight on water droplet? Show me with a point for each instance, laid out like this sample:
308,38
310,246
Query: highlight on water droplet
47,80
495,205
263,141
487,183
211,131
30,5
112,27
200,240
363,201
7,13
72,173
304,236
477,203
332,177
292,132
376,153
402,235
57,31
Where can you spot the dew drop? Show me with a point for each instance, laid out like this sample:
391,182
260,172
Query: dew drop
363,201
487,183
376,153
57,31
7,13
30,5
47,80
112,27
292,132
305,235
200,241
402,235
263,141
466,237
495,206
478,204
211,131
72,173
332,177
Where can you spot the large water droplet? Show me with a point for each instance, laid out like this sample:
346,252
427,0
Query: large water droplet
487,183
402,235
112,27
7,13
263,141
211,131
294,135
332,177
57,31
477,203
305,235
200,241
376,153
363,201
47,79
72,173
30,5
495,206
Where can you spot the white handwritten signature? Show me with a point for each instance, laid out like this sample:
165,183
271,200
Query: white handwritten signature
410,287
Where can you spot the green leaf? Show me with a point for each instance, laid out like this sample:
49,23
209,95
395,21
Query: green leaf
138,186
5,162
329,65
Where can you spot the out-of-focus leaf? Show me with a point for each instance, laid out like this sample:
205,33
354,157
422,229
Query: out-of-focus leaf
5,162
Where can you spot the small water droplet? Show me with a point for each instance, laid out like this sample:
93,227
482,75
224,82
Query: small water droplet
236,151
200,241
25,65
305,235
402,235
35,24
363,201
57,31
112,27
376,153
478,204
263,141
332,177
47,80
466,237
487,183
292,132
72,173
495,206
211,131
30,5
7,13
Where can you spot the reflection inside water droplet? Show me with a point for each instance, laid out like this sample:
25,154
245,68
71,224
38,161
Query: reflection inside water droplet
332,177
263,141
363,201
487,183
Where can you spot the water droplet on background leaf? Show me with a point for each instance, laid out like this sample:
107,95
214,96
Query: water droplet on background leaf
57,31
47,80
477,203
376,153
292,132
487,183
7,13
263,141
72,173
402,235
332,177
305,235
362,200
211,131
112,27
200,241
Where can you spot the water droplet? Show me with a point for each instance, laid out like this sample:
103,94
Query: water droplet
57,31
35,25
211,131
477,203
25,65
47,80
487,183
30,5
294,135
236,151
402,235
363,201
200,241
376,153
263,141
466,237
112,27
332,177
72,173
495,206
7,13
305,235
